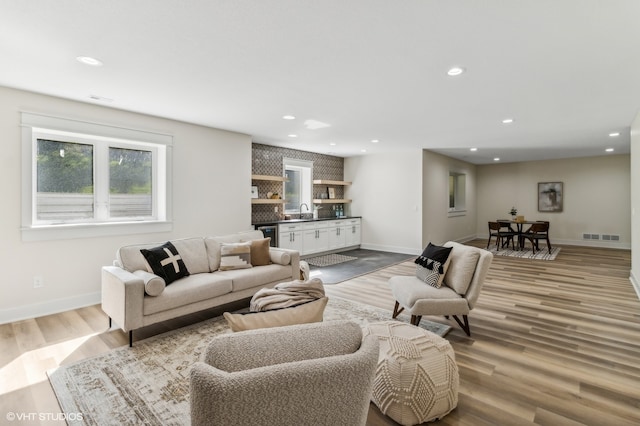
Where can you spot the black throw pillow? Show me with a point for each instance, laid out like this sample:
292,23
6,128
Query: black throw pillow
432,264
166,262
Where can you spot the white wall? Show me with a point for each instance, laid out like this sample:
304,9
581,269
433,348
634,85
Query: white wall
211,177
635,204
596,196
438,226
387,193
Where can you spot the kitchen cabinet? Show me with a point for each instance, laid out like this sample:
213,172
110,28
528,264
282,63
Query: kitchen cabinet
290,236
319,236
315,237
352,232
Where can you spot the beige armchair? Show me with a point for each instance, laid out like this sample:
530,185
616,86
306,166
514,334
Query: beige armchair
309,374
457,296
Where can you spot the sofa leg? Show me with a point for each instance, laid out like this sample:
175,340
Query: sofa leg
465,325
109,323
415,319
130,338
397,310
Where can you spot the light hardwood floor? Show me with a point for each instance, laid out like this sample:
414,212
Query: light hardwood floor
552,343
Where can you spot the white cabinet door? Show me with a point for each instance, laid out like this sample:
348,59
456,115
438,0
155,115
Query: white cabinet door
336,234
352,233
316,237
316,240
290,237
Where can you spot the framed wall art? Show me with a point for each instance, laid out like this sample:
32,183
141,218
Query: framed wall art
550,196
254,191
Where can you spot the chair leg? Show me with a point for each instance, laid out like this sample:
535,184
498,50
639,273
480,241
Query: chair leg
415,319
397,311
465,325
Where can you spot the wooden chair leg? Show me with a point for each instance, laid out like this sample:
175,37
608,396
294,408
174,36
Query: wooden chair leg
465,325
415,319
397,311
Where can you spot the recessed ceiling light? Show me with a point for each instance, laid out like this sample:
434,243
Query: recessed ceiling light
609,149
293,136
496,159
455,71
614,134
507,121
288,117
363,150
332,144
88,60
473,149
374,141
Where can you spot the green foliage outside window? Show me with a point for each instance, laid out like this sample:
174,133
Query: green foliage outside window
129,171
65,167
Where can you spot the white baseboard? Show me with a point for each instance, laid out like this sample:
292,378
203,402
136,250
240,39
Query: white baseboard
581,243
393,249
635,284
48,308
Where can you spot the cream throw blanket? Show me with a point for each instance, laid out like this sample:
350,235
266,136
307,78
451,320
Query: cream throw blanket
285,295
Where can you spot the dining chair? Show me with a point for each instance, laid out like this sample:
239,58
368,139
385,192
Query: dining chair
536,232
507,232
502,236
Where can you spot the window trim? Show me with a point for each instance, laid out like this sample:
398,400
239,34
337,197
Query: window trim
32,122
303,164
459,194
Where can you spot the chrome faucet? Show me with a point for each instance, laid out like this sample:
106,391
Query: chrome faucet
303,204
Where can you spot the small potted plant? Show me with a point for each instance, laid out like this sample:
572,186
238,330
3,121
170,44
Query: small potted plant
513,212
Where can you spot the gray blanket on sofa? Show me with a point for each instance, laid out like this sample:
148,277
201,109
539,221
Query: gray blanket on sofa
285,295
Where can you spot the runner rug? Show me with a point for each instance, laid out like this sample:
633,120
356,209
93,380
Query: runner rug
149,383
329,259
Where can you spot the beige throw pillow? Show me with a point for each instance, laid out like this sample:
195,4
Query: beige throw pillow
235,256
260,252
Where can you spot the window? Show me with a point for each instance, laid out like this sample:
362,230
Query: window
298,187
457,192
92,176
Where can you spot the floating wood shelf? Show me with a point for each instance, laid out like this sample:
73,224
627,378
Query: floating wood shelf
267,201
271,178
330,182
331,201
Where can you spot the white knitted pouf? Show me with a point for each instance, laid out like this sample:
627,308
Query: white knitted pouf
417,376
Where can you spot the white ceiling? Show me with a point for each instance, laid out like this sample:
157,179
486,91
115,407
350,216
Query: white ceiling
567,71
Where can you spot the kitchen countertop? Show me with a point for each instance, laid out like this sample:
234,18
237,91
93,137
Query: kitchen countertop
279,222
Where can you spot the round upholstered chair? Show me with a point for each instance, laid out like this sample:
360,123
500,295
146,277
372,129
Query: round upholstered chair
417,376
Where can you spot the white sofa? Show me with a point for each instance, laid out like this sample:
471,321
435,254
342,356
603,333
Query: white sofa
130,306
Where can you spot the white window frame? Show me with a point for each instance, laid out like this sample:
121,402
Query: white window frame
101,137
457,182
306,186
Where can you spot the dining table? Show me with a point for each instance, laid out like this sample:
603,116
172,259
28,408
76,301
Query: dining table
519,228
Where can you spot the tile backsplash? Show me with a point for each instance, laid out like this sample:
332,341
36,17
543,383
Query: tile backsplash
267,160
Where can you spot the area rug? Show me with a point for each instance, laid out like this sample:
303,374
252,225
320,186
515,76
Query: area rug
527,253
329,259
149,383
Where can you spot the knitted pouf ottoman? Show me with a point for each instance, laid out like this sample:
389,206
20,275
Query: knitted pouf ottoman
417,375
